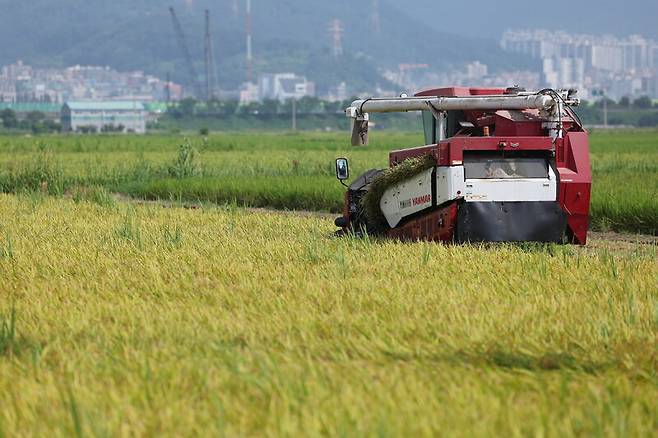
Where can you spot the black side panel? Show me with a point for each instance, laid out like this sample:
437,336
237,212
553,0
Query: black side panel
362,182
511,222
356,191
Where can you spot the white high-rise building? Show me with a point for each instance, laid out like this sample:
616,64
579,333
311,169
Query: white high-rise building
564,72
607,58
284,86
633,54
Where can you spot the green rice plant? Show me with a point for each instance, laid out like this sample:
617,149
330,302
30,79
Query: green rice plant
67,398
130,229
44,173
173,238
186,164
95,194
6,247
8,337
426,255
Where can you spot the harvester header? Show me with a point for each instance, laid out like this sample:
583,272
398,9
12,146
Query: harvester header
497,165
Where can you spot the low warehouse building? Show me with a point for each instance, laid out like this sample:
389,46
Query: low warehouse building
90,116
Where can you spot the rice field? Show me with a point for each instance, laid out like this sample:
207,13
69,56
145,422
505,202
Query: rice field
290,171
129,319
125,320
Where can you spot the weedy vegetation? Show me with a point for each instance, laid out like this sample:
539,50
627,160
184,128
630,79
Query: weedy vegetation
287,171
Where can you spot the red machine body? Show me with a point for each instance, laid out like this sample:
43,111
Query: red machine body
503,133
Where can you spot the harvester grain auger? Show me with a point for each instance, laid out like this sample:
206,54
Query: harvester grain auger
498,165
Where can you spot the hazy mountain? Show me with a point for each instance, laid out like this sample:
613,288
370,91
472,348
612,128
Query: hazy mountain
288,34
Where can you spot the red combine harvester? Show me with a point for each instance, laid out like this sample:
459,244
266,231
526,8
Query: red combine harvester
499,165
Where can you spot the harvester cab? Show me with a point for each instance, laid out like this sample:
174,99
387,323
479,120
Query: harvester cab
498,165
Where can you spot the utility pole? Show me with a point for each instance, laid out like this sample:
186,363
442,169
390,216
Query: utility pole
605,109
168,90
294,114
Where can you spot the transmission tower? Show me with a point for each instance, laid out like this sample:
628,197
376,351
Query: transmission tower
375,19
250,57
336,30
211,66
189,63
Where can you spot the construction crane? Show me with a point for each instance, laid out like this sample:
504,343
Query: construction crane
211,66
194,77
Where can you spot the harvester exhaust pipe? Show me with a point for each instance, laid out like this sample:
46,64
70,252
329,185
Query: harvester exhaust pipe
359,109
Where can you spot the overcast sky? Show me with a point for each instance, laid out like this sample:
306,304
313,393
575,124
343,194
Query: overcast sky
487,18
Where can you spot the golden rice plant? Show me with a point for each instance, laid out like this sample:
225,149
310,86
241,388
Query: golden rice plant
218,321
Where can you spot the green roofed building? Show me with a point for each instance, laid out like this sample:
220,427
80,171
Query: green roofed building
50,109
105,116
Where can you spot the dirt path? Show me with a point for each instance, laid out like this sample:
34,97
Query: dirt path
621,242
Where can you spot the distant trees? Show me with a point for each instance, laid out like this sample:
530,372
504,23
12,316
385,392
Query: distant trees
641,112
87,129
189,108
606,100
648,120
34,121
44,126
643,102
35,117
183,109
108,129
624,102
9,119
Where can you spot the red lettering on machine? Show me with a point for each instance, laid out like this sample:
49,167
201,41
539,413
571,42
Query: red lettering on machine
422,200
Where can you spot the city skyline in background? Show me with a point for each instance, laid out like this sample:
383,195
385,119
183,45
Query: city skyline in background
593,64
252,50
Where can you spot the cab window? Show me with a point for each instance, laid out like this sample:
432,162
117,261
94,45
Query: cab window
429,126
505,168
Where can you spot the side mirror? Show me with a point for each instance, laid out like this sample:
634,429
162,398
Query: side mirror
342,169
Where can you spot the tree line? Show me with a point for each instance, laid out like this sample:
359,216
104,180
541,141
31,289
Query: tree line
191,108
33,121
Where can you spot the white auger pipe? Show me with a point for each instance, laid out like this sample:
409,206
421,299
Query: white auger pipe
484,103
